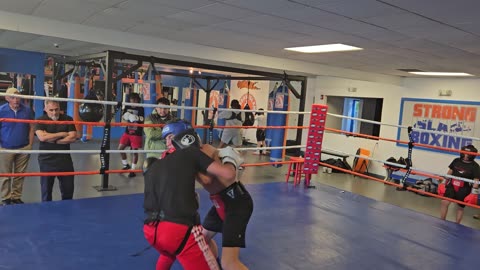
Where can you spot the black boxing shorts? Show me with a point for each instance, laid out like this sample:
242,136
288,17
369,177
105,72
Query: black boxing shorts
230,214
457,194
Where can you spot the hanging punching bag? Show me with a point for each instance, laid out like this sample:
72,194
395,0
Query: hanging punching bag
271,103
279,135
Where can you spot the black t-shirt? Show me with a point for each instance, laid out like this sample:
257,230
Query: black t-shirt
462,169
138,111
58,159
469,170
170,185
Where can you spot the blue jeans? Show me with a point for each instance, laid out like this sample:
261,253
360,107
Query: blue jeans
66,182
66,187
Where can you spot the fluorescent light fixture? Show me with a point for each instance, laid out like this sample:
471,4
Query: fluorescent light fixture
324,48
453,74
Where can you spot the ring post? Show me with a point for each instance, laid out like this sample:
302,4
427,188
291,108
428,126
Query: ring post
107,116
313,152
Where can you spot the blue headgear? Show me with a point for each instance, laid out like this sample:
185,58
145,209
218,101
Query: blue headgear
184,134
175,127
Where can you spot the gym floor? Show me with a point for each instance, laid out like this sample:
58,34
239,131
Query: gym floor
252,175
291,228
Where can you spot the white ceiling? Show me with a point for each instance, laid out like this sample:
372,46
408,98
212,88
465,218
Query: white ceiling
430,35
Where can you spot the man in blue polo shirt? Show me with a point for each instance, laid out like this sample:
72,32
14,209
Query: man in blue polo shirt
17,136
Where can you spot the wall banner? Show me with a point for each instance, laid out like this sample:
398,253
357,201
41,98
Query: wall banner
450,117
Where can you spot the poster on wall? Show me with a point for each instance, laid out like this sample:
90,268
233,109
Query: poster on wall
440,123
145,88
216,99
251,93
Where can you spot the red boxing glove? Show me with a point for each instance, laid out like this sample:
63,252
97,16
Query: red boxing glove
472,198
441,189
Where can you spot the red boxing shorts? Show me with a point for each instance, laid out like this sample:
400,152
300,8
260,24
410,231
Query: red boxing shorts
134,141
195,255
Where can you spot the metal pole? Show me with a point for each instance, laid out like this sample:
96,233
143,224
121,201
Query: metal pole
107,114
303,94
205,113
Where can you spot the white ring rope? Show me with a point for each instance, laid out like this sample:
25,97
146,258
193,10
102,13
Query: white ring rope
271,148
114,103
16,151
8,151
403,127
402,166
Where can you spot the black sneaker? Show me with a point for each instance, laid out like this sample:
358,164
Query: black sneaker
126,167
131,175
17,201
7,202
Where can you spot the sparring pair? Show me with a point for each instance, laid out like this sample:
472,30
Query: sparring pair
232,204
464,167
173,225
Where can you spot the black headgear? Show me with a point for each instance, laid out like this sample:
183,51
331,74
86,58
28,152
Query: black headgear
186,139
469,148
134,96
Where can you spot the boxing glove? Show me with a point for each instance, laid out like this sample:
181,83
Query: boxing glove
441,189
133,118
472,198
230,155
126,116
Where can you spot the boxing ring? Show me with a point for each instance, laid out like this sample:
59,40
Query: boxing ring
291,228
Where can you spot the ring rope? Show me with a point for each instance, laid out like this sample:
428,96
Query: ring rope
399,186
401,142
414,170
34,174
114,103
16,151
14,120
403,127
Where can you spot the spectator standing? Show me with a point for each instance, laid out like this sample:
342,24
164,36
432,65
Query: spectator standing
261,123
465,167
133,136
14,136
232,118
153,135
55,137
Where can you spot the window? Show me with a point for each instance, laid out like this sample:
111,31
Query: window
355,107
352,107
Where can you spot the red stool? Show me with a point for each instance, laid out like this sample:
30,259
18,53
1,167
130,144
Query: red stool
297,172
